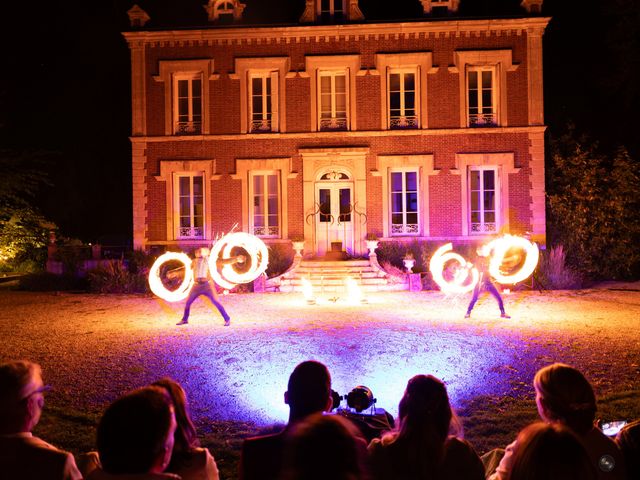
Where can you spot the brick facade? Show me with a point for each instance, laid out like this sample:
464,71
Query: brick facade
517,140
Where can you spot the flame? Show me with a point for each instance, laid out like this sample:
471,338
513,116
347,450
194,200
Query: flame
461,282
155,282
307,291
227,276
354,292
501,246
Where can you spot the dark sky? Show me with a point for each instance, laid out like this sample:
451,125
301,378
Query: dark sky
64,91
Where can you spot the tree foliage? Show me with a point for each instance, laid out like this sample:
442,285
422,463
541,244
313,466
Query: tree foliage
23,230
594,207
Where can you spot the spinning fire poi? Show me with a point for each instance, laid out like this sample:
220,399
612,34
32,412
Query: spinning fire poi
235,258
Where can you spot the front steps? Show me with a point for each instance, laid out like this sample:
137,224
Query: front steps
330,276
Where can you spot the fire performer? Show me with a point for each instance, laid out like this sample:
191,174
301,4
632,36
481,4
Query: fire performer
202,285
484,282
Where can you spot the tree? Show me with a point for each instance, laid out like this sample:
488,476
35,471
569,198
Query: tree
24,231
594,207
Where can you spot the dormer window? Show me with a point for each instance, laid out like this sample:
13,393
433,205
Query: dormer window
331,11
433,6
532,6
224,11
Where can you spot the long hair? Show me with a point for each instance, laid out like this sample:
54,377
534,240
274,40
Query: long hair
550,452
567,395
185,438
425,422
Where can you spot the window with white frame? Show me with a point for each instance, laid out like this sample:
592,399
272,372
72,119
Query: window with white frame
404,202
402,95
483,199
332,100
187,107
189,205
331,10
263,94
481,96
265,204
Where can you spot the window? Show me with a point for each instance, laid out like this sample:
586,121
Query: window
262,95
262,92
481,102
402,99
332,100
404,203
265,196
190,205
483,86
483,200
331,10
187,104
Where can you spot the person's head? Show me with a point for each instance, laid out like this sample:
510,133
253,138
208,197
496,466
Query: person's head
550,452
425,406
325,446
21,396
309,390
483,250
135,434
202,252
564,395
185,436
628,439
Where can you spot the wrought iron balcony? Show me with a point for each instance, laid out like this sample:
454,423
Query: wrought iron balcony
483,120
261,126
191,232
406,121
484,228
332,124
266,231
188,128
405,229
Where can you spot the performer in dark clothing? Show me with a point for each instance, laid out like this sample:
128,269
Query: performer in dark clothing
484,282
202,286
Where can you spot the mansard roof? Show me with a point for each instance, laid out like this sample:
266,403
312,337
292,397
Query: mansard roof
179,14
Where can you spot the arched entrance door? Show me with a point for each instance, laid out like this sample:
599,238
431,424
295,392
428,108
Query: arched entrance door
334,220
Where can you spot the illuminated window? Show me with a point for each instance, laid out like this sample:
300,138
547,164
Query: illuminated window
265,205
187,104
481,97
189,205
331,10
483,200
332,100
263,93
403,188
402,97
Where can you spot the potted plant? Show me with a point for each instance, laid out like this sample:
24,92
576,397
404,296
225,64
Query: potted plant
409,262
372,242
297,241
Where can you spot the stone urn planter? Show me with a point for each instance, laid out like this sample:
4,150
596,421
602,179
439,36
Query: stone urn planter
409,263
371,246
298,247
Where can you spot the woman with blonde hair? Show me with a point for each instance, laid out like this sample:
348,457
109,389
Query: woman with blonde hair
188,460
427,443
564,396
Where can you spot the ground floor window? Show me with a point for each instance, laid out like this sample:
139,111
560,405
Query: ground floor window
404,202
265,205
483,199
190,205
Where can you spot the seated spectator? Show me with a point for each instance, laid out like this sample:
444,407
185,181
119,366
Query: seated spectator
22,455
628,439
325,447
564,396
308,392
427,442
135,437
550,452
188,460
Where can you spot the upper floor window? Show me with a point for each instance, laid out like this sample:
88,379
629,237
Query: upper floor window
481,97
187,110
265,207
224,11
262,95
263,91
402,99
189,205
483,199
332,101
404,202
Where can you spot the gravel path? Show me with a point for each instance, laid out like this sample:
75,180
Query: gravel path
95,347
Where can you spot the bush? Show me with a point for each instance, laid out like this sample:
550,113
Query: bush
115,277
280,259
553,271
50,282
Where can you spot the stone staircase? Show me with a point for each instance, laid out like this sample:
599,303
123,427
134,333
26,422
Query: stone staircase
330,276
